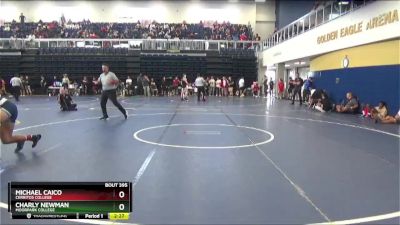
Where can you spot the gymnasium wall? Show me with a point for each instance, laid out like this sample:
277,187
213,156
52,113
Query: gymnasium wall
373,73
290,10
377,21
132,11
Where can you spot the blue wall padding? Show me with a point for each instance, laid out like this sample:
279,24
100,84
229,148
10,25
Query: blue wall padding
369,84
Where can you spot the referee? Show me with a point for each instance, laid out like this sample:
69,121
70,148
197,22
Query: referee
16,84
199,83
109,84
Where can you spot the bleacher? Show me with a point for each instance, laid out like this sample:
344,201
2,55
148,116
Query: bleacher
79,62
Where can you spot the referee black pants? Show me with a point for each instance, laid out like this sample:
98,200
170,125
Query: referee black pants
112,95
16,92
200,90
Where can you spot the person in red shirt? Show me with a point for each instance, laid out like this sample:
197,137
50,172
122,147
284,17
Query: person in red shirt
243,37
175,84
256,89
281,88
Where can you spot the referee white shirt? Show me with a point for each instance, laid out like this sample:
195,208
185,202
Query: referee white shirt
16,82
107,81
199,82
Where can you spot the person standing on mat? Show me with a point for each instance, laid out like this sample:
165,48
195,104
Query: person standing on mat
199,83
8,116
109,84
298,83
16,84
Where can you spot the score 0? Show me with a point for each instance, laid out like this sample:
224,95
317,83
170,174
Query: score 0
121,195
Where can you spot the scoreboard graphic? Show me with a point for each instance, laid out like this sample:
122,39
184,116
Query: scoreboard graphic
70,200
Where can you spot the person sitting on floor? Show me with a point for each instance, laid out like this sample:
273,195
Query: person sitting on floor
65,100
350,106
323,104
389,119
380,111
315,96
366,111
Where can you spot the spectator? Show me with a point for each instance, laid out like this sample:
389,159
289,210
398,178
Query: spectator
281,88
380,111
206,86
224,86
218,87
23,93
164,90
315,96
175,84
349,106
243,37
2,87
366,111
290,88
22,19
231,85
212,86
241,87
256,89
55,83
146,86
87,29
308,85
43,85
140,84
271,87
153,87
95,85
128,85
65,80
85,85
390,119
184,91
27,86
62,20
265,85
323,104
298,83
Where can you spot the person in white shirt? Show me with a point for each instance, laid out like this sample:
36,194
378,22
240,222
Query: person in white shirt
16,84
109,83
65,80
212,86
241,87
218,86
199,83
184,91
128,85
224,86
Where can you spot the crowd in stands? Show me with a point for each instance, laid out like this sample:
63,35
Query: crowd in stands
137,30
